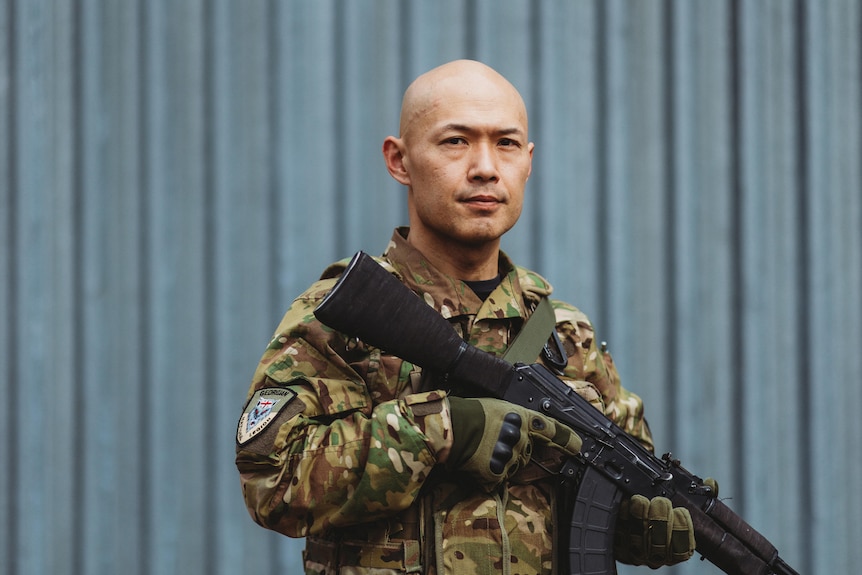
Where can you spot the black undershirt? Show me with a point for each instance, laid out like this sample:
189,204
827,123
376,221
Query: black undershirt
483,288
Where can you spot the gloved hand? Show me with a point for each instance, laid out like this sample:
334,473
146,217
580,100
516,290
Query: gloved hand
492,438
653,532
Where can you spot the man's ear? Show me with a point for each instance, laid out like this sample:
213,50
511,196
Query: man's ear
393,153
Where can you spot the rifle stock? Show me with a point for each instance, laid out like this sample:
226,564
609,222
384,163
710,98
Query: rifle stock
370,303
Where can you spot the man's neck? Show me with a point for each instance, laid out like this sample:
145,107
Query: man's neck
468,263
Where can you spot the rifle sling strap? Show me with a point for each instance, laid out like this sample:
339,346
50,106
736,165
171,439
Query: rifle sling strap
529,342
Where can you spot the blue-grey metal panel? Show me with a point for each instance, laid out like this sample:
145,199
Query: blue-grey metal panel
8,281
699,288
172,174
565,125
833,207
772,296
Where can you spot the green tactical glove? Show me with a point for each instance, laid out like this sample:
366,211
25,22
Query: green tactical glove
653,532
492,438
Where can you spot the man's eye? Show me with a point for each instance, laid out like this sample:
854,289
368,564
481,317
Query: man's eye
455,140
508,142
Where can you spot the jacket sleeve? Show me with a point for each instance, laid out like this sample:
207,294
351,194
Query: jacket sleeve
589,362
331,457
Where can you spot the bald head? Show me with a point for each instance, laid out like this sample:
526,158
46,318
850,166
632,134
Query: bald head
461,79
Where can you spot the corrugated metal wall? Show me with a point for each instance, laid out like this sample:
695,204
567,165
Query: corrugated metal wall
172,173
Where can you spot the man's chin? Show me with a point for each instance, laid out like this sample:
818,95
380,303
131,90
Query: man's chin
481,236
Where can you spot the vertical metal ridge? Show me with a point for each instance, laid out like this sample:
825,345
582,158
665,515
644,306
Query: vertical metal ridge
274,202
671,252
145,493
339,69
405,63
538,193
804,256
212,287
602,208
737,261
79,159
12,437
470,19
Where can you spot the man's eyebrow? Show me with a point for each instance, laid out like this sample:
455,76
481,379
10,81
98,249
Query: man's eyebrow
468,129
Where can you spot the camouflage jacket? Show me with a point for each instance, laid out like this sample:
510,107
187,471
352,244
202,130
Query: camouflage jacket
337,445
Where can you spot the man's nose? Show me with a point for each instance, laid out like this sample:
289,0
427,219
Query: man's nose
484,165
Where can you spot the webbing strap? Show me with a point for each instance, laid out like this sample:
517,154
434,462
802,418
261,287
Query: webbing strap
534,335
395,555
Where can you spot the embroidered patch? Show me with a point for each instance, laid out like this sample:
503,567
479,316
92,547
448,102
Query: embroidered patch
262,410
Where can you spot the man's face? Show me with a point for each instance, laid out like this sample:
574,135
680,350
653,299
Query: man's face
467,159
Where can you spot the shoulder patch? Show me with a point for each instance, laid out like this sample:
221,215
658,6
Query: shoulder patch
262,409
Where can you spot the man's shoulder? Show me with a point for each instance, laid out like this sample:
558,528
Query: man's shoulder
533,282
334,270
330,276
535,286
566,312
327,280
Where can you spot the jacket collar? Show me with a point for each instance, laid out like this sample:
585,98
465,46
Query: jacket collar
452,297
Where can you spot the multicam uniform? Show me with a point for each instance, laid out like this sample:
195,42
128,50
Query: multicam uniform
339,443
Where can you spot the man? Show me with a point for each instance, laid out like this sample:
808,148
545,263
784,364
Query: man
377,464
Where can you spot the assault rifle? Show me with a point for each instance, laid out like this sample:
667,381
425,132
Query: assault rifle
368,302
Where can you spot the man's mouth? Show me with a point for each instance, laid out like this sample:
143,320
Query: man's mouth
481,200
